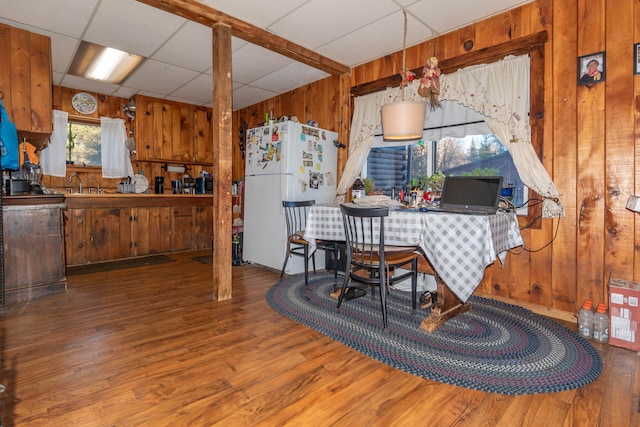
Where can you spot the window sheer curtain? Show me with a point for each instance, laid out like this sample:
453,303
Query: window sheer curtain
116,162
53,158
499,91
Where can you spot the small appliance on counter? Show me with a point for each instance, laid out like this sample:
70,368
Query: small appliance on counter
204,185
16,187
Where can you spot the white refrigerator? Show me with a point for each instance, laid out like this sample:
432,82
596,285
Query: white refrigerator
284,161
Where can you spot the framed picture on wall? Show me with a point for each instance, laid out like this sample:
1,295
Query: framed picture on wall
636,58
591,68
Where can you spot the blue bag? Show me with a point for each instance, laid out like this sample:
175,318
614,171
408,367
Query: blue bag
9,154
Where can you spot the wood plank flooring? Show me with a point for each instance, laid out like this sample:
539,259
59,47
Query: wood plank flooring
148,346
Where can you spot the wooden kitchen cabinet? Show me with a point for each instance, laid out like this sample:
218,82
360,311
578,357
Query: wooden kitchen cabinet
182,228
163,130
135,226
104,234
25,82
203,227
34,256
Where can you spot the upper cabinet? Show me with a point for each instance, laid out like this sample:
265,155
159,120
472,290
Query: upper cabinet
25,82
172,131
163,130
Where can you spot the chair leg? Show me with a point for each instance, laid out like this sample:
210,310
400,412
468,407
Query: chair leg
335,261
286,259
306,265
414,283
313,260
383,297
344,287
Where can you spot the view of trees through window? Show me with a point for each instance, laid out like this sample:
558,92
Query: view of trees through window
478,155
83,144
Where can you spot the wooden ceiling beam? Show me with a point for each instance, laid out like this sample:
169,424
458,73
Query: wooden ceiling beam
205,15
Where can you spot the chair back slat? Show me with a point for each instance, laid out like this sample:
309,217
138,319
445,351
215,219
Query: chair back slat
364,232
296,216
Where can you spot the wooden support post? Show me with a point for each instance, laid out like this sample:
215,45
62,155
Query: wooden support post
222,161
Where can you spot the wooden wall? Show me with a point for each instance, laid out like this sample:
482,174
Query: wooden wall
113,107
319,101
590,136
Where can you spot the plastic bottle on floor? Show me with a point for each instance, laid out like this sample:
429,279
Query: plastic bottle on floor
601,324
585,320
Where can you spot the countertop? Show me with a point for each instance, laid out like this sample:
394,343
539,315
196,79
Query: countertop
116,200
33,199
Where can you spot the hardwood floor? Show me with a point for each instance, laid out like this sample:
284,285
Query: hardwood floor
147,346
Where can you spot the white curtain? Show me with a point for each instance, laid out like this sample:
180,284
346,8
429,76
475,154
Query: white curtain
499,91
53,156
116,162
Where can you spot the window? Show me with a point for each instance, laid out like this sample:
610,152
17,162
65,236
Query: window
408,166
83,144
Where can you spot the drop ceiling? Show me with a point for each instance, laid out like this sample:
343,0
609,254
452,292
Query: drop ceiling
178,51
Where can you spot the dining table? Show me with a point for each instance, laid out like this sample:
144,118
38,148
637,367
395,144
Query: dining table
458,247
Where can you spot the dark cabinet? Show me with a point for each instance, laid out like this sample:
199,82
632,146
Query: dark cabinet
34,255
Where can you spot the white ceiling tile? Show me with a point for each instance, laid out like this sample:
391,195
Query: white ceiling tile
152,94
375,40
125,92
260,14
159,77
320,21
62,50
57,78
289,77
74,82
67,17
252,62
190,48
199,90
118,24
247,95
458,13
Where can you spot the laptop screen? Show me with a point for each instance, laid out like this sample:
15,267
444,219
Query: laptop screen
471,192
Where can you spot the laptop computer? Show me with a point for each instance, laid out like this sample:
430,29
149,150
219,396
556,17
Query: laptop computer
479,195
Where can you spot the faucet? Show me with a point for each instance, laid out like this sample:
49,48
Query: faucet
97,187
79,182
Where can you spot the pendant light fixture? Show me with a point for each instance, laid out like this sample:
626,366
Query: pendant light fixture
403,120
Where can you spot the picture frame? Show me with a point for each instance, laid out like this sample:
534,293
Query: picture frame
636,58
592,68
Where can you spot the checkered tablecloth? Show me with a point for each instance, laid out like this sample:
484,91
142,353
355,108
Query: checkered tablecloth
459,247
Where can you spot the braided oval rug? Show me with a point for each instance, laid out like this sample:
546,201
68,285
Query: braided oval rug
493,347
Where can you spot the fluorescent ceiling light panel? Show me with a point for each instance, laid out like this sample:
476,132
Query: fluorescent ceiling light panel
104,64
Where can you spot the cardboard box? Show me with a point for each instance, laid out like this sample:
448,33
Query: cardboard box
624,313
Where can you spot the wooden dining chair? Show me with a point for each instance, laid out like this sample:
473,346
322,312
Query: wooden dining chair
296,219
369,260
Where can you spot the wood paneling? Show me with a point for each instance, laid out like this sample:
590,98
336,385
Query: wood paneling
324,102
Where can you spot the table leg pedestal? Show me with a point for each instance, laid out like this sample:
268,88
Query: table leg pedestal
448,304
